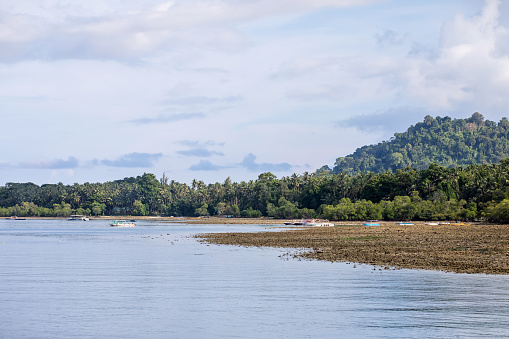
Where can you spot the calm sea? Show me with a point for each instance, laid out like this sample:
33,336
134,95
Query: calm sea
62,279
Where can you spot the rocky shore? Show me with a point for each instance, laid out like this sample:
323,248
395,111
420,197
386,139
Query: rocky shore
476,248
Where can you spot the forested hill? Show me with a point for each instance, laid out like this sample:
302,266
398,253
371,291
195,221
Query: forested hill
444,141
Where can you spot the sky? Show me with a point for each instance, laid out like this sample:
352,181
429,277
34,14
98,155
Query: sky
99,90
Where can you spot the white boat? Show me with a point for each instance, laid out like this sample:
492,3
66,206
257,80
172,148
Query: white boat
317,222
78,217
15,218
122,223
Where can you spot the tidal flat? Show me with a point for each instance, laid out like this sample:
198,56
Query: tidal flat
475,248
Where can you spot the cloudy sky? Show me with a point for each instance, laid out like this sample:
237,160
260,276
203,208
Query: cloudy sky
99,90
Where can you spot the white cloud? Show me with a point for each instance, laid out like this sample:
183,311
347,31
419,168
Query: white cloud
199,149
138,34
205,165
250,164
468,72
166,118
131,160
56,164
389,37
396,119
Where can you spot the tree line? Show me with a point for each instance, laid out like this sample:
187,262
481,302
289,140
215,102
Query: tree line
434,193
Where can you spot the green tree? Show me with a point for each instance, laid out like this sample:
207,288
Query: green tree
62,209
139,208
250,213
202,210
220,208
232,210
98,208
499,212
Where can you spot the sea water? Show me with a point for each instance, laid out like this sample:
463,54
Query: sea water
74,279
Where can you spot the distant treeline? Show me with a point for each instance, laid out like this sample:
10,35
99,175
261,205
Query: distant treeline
444,141
436,193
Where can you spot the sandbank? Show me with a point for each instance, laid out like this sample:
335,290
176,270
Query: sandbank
474,248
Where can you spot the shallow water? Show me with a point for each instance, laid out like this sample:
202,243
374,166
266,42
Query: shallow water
61,279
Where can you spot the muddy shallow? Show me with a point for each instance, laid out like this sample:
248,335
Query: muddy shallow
476,248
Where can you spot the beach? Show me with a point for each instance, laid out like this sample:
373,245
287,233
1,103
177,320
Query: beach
471,248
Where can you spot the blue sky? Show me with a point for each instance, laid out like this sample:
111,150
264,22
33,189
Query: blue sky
101,90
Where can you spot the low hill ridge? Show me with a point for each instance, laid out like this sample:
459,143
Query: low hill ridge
444,141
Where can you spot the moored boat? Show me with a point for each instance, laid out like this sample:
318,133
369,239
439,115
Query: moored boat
317,222
122,223
78,217
309,222
295,222
15,218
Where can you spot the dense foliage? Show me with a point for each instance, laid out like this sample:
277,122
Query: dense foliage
444,141
435,193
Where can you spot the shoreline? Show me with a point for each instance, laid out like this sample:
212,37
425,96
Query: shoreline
214,220
190,220
471,248
476,248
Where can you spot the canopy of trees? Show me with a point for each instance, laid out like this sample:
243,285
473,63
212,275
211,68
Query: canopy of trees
437,192
438,169
444,141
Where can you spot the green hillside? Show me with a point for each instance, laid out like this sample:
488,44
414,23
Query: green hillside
444,141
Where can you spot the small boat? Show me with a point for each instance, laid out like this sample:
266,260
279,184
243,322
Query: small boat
15,218
431,223
371,224
122,223
405,223
309,222
78,217
295,222
317,222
